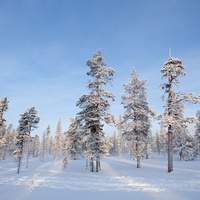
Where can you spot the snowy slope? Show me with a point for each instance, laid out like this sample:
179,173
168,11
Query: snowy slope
119,179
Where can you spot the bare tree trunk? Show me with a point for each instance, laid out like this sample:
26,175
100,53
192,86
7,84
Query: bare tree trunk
138,162
27,158
170,150
137,156
91,165
19,163
20,154
170,145
146,150
97,165
86,164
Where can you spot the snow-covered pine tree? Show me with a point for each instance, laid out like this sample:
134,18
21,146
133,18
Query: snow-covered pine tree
190,151
43,146
46,144
3,108
6,141
58,140
122,141
197,132
181,136
137,114
163,141
95,108
48,140
172,70
184,145
36,146
157,143
114,144
10,140
27,123
73,141
149,145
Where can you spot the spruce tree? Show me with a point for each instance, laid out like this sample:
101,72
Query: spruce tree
95,108
73,140
137,114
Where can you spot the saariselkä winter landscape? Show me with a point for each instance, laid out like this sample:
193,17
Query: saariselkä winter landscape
99,100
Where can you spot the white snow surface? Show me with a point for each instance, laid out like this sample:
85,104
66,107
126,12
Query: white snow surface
118,180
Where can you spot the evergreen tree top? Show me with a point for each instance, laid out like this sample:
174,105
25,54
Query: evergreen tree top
99,69
3,104
172,68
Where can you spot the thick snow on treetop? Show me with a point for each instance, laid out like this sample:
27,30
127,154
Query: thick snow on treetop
119,179
173,67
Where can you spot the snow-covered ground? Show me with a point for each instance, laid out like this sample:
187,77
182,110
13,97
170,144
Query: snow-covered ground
118,180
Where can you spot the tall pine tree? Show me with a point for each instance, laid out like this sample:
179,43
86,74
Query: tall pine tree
137,114
172,70
27,123
95,108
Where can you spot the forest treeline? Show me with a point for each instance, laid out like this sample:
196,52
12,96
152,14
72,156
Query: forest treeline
85,136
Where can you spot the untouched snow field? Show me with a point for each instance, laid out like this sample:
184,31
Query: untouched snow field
118,180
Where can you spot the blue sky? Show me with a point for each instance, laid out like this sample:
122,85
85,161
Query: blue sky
44,45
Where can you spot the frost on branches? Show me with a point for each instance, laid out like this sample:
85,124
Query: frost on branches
137,115
27,123
58,140
3,108
173,117
73,141
95,108
197,132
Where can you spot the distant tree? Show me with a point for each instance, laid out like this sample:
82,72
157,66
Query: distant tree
43,147
58,140
184,145
73,141
122,141
48,140
46,144
172,69
137,114
115,144
157,142
36,146
181,137
197,132
7,141
3,108
10,140
149,145
27,123
95,108
163,141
